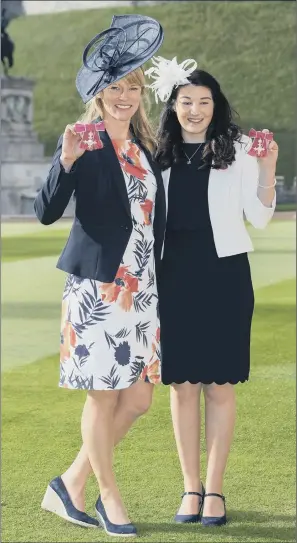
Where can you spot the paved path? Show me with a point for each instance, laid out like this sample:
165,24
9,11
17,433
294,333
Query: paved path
285,215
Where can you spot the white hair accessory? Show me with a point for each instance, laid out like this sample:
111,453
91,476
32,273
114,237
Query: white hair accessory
168,74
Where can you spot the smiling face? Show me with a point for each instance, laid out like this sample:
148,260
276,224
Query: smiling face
194,108
121,99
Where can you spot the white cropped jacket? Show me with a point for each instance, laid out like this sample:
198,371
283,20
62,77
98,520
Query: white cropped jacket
232,193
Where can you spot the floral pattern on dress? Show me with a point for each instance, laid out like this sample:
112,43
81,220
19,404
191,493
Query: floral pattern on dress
110,332
128,154
120,289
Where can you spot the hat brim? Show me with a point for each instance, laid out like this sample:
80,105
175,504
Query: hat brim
134,57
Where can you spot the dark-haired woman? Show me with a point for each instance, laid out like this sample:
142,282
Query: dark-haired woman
205,292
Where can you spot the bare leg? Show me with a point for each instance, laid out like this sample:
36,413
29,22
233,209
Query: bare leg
132,402
97,428
219,428
185,410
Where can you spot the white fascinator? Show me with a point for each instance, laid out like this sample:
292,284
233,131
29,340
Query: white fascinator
168,74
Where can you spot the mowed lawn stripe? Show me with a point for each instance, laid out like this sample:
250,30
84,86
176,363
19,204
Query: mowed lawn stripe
35,244
18,243
31,304
23,228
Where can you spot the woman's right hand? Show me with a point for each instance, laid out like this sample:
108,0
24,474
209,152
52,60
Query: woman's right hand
71,149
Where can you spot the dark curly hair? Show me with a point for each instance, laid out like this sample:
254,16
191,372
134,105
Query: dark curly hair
219,151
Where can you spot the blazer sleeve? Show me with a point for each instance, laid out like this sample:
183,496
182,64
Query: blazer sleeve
53,198
256,213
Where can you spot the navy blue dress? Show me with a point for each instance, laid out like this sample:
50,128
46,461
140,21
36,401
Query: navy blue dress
206,302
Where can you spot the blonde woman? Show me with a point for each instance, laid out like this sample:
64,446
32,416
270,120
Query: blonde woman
110,328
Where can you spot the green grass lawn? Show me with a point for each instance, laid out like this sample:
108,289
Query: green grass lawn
229,39
41,423
286,207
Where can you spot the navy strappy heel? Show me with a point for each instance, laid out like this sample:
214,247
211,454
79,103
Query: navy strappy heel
215,521
196,517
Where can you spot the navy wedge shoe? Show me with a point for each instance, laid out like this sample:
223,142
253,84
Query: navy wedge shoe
122,530
57,500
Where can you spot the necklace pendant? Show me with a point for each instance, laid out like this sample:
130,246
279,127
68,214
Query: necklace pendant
189,162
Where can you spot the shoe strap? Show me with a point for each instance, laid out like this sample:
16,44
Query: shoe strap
192,494
215,494
200,494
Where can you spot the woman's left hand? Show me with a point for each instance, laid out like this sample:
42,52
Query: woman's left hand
268,163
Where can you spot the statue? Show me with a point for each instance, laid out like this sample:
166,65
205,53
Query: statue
23,164
10,9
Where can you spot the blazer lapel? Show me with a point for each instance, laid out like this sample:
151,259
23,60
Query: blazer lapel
115,169
166,179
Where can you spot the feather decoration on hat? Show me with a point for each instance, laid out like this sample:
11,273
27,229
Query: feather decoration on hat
169,74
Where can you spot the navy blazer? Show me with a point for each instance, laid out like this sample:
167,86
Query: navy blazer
103,224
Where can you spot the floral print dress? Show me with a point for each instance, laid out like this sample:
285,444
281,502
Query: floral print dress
110,334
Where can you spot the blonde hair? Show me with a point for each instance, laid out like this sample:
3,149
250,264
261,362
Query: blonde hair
140,123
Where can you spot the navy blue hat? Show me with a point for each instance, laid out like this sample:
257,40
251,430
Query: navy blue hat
126,45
